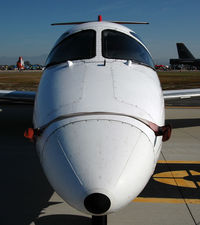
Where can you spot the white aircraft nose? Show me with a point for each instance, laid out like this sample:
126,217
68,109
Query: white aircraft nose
91,163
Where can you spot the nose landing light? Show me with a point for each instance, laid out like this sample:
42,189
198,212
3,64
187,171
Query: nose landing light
97,203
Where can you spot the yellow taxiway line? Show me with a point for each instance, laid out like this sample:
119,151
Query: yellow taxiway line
167,200
176,177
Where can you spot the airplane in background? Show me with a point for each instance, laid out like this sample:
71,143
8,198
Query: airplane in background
185,57
99,117
161,67
20,63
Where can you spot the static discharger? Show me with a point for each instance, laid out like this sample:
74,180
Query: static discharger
164,131
31,133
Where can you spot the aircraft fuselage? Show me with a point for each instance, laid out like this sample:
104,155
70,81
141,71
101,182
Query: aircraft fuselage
99,107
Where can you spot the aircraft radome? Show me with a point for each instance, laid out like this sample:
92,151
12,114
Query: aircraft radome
99,117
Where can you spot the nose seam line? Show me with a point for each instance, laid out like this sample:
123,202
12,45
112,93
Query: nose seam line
128,159
62,117
69,162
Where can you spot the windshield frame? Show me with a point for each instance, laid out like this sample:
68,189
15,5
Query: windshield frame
60,45
138,42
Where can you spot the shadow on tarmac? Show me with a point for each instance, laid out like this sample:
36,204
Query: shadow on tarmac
183,123
63,220
24,188
195,101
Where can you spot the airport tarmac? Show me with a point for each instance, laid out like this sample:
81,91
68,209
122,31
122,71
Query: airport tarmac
172,196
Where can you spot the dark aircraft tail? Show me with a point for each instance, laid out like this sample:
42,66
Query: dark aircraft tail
183,52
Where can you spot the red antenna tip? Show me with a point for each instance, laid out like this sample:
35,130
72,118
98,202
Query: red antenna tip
99,18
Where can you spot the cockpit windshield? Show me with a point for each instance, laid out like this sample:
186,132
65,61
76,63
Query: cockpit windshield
117,45
81,45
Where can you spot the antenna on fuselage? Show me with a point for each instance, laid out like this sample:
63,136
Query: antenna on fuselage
99,20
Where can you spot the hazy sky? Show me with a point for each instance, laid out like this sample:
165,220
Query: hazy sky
26,31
